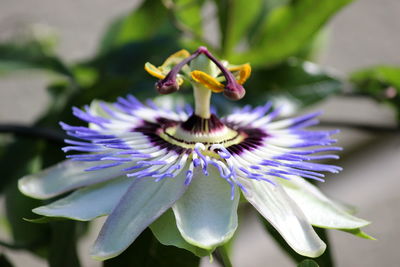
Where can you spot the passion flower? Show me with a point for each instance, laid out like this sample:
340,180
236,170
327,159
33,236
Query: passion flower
139,161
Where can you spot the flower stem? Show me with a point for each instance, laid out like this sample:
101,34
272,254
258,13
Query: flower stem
48,134
221,254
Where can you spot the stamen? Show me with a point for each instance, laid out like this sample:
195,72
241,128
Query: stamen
244,72
170,83
175,58
154,71
208,81
158,72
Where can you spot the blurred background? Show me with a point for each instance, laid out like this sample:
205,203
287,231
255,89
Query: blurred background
62,45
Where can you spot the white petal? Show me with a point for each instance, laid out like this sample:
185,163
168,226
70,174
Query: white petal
144,201
206,216
64,177
88,203
320,210
285,216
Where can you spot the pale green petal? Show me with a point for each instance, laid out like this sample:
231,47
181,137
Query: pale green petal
63,177
165,230
205,215
144,202
88,203
285,216
96,109
319,210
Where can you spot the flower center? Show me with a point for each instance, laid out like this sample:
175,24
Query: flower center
207,75
199,130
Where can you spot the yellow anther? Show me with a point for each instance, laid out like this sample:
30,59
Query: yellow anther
244,72
159,73
175,58
208,81
154,71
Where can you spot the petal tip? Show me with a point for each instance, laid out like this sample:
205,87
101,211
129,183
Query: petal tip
100,253
313,253
28,187
209,245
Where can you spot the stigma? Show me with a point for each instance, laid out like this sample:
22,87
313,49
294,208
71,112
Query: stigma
205,73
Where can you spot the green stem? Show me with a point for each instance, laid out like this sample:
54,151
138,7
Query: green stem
48,134
221,255
225,10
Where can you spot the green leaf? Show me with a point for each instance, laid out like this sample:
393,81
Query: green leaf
141,23
165,230
300,82
121,70
18,206
146,251
63,249
33,236
286,30
377,76
31,54
308,263
358,232
187,17
188,12
239,19
380,82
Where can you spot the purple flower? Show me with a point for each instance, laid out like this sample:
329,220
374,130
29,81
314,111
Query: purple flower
140,161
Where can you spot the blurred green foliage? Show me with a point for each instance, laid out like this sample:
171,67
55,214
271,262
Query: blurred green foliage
276,36
379,82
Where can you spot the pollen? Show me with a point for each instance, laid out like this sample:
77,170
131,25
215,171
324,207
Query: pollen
244,72
154,71
175,58
208,81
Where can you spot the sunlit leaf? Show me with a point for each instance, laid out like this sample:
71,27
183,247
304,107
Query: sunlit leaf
286,30
145,22
239,20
